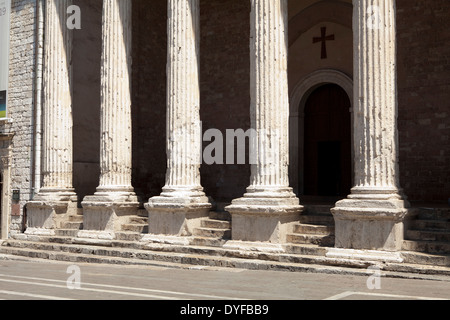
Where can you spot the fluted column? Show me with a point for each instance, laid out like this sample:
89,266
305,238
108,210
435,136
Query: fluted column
376,196
183,98
115,127
269,191
183,191
115,195
57,195
58,123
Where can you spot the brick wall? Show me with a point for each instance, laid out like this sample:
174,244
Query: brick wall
225,87
149,96
424,98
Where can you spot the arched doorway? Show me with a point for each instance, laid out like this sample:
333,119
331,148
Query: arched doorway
327,142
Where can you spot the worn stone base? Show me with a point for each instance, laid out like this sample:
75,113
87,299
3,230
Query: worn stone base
177,212
370,222
49,210
264,216
104,214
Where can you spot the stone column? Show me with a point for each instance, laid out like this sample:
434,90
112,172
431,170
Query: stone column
176,212
182,203
269,208
115,199
56,198
371,217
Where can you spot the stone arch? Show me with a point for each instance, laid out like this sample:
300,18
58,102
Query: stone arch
298,98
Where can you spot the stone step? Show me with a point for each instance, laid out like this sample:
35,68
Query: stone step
72,225
216,224
128,236
426,258
442,214
426,235
66,232
200,257
317,209
76,218
213,233
426,246
149,258
317,219
172,254
320,240
138,220
207,242
430,225
305,249
313,229
135,227
220,215
142,212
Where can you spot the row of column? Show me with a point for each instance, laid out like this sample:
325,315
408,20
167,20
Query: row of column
269,209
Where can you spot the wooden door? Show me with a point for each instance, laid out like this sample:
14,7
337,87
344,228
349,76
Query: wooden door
328,160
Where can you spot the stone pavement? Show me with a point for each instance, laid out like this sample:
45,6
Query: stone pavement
43,280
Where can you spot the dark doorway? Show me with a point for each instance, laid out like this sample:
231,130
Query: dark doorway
328,160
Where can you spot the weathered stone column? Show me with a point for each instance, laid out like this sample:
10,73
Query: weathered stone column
371,217
56,198
269,208
115,199
182,203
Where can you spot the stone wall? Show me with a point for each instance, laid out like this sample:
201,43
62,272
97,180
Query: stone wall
87,46
225,88
21,99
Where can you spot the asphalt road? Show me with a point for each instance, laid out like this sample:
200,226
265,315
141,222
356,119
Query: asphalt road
31,280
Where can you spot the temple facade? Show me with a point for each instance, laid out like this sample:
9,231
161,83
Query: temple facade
238,124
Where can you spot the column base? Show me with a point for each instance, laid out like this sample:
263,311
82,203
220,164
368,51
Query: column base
177,211
265,215
370,221
49,210
105,212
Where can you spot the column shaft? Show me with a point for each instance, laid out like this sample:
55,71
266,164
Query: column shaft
183,102
269,92
183,95
116,133
58,123
376,141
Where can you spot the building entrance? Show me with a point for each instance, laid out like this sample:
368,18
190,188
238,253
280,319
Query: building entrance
328,156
